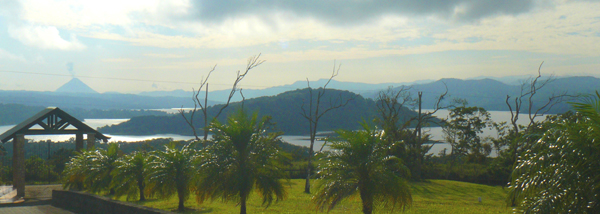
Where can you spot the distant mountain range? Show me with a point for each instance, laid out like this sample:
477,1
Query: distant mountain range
491,94
92,101
222,95
487,93
76,94
484,92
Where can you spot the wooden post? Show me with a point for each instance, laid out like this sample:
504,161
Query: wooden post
19,164
78,142
91,140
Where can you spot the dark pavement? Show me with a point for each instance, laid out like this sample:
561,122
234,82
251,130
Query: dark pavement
37,201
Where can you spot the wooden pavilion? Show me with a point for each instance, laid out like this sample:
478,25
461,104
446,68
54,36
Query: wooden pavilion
50,121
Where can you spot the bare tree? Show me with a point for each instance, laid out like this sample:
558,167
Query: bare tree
390,104
252,63
315,112
529,89
418,147
198,103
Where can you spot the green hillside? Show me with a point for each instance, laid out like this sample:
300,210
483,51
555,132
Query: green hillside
285,110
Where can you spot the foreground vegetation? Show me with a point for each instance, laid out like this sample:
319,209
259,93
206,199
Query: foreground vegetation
367,170
433,196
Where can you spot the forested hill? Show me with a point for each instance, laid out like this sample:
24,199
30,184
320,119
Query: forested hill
11,114
285,110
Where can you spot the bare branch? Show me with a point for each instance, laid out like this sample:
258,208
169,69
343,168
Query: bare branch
197,104
314,113
190,122
513,115
252,63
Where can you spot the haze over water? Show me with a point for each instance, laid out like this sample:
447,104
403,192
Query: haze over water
436,132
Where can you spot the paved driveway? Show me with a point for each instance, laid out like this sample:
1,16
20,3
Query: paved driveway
33,209
37,201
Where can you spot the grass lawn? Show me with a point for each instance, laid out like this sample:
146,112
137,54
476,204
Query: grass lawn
434,196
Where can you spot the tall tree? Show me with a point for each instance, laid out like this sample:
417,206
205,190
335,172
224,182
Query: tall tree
561,172
359,164
252,63
172,172
315,111
461,131
243,158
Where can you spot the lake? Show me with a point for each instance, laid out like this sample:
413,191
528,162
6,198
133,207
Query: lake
436,132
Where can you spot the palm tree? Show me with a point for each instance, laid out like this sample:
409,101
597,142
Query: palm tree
172,171
561,173
101,164
359,164
242,158
75,171
91,170
128,176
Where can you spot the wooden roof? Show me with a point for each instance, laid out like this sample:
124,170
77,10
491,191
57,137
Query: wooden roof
49,121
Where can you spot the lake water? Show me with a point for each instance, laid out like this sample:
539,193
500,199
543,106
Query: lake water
436,132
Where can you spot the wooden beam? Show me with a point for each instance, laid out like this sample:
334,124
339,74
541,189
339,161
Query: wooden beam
19,164
60,123
43,125
91,141
78,141
48,132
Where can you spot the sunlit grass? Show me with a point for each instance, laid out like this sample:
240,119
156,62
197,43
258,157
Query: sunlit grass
434,196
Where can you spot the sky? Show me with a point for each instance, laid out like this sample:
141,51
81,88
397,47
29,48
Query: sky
133,46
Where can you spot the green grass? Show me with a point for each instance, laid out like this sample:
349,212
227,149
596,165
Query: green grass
434,196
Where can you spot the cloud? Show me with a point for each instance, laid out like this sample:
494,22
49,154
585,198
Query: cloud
165,56
44,37
10,8
118,60
7,55
360,11
76,14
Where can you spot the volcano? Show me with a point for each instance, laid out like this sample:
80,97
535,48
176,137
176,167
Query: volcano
76,86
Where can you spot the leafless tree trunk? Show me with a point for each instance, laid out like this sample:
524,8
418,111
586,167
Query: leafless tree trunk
389,105
314,113
252,63
528,91
197,104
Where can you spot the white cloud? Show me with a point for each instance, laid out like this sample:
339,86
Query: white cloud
76,14
165,56
118,60
571,28
44,37
156,23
